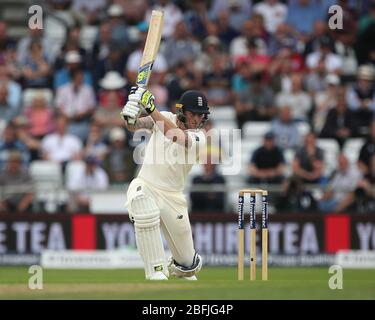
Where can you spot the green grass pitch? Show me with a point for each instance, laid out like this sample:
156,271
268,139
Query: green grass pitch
215,283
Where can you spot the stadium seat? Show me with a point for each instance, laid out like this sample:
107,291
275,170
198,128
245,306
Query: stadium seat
224,113
255,129
248,147
352,148
303,128
28,96
71,169
108,202
48,181
331,151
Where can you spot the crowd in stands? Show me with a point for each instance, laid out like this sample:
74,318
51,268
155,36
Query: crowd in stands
62,88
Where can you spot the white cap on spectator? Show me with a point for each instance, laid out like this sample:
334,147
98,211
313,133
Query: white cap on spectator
112,81
115,10
333,79
366,72
116,134
72,57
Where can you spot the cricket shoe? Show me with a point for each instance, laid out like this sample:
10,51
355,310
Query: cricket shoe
158,275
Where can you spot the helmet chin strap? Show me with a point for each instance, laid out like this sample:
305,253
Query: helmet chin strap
182,118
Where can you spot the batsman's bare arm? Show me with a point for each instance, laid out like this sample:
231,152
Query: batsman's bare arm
142,123
170,130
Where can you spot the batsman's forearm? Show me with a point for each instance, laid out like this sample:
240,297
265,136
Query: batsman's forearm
165,125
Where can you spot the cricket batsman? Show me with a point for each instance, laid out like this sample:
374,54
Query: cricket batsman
155,198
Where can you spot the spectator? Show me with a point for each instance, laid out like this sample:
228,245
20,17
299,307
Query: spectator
314,42
365,44
172,16
111,99
23,45
73,61
6,42
284,37
76,101
225,32
217,82
196,18
308,163
367,151
115,61
295,197
211,48
285,130
14,93
339,123
273,12
60,146
7,111
256,103
22,127
119,29
362,94
91,177
9,143
239,45
180,46
208,201
267,162
40,116
297,99
344,181
35,70
302,14
324,58
15,178
239,11
362,199
101,46
325,100
94,144
118,162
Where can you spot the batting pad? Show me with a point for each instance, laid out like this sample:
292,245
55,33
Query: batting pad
146,217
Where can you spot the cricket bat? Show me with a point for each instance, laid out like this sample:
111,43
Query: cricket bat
150,50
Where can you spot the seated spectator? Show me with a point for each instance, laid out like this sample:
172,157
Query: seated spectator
295,197
22,126
267,162
111,100
94,144
273,12
361,97
325,100
297,99
367,151
7,112
362,199
320,31
217,83
73,61
76,101
302,14
118,162
15,178
196,18
40,116
256,103
61,146
11,95
343,182
239,46
101,46
208,201
211,47
115,61
308,163
226,33
181,46
9,143
331,61
339,123
118,27
285,130
89,178
36,70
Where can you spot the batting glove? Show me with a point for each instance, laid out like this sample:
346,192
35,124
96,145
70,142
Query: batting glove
144,97
131,110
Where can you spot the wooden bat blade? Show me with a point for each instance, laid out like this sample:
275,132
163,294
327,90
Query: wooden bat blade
151,47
